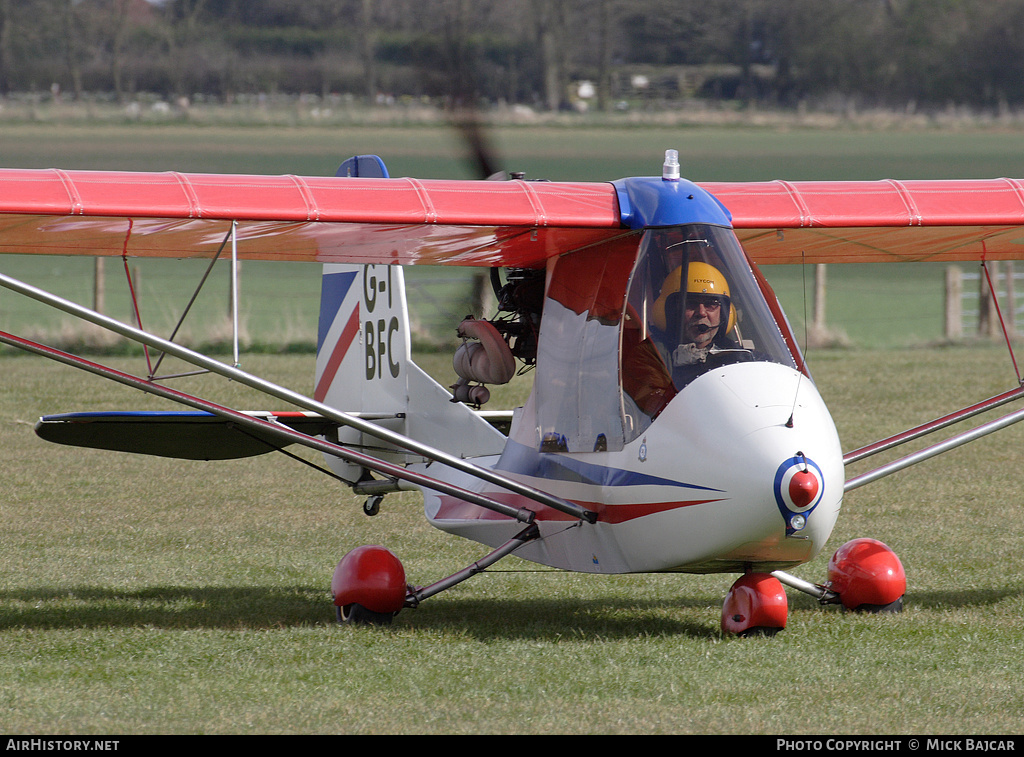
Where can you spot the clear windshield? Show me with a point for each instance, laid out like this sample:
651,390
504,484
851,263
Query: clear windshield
693,305
626,327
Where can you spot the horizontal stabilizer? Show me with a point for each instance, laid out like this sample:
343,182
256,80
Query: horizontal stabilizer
184,435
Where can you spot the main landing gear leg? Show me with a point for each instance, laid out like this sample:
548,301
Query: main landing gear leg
864,575
867,576
369,582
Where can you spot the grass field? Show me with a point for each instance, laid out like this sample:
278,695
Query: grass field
141,595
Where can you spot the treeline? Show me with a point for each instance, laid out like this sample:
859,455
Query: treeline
549,54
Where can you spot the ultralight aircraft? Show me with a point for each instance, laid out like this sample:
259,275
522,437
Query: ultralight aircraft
673,425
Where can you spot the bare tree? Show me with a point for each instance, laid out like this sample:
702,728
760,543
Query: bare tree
550,17
183,33
887,52
7,31
72,43
118,30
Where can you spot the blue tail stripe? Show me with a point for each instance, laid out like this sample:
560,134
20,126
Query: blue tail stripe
333,291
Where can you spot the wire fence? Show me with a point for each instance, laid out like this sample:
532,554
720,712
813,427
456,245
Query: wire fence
981,314
278,302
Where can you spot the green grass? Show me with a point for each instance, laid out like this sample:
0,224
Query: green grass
141,595
875,306
574,152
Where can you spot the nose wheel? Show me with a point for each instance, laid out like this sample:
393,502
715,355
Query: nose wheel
756,605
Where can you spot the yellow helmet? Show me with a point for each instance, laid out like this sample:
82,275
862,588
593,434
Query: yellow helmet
701,278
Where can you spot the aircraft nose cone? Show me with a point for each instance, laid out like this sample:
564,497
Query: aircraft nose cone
803,489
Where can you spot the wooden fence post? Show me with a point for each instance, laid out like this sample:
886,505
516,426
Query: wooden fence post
954,303
99,287
819,298
1010,311
988,318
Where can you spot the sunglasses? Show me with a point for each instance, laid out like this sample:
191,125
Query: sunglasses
694,301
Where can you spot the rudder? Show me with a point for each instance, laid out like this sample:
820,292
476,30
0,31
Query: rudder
364,365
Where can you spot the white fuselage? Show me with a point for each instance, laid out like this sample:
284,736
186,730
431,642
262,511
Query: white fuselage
702,489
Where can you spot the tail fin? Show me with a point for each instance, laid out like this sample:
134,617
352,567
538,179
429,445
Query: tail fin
363,339
364,365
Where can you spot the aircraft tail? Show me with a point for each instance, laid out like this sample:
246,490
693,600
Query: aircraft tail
364,366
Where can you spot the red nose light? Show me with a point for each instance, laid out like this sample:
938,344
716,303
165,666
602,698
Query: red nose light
803,488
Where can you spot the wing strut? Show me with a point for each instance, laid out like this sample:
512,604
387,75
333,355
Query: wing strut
935,425
287,395
999,311
234,292
284,433
936,449
202,282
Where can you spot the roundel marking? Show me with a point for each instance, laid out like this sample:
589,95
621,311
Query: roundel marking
798,487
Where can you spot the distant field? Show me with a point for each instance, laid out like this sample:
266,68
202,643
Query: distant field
881,306
568,153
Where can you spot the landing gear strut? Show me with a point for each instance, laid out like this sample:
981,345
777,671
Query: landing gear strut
369,583
864,575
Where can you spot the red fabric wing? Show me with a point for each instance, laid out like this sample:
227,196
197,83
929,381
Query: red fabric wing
322,219
490,223
877,221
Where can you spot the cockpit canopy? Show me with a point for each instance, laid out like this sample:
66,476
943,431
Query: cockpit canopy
629,325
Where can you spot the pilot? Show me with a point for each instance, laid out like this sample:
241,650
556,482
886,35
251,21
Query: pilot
695,324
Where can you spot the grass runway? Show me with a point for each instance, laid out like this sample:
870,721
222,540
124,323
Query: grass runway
142,595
